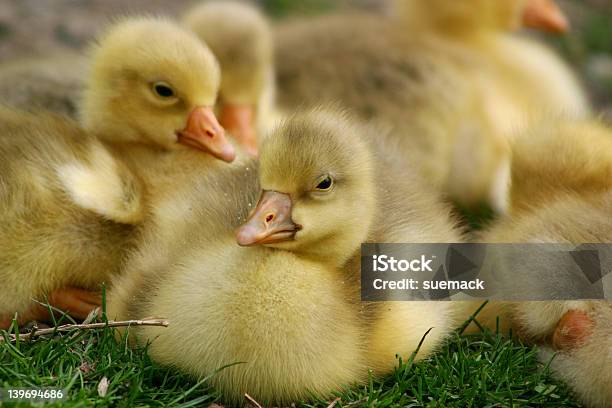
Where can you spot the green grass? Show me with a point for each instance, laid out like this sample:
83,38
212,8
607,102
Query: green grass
481,370
77,362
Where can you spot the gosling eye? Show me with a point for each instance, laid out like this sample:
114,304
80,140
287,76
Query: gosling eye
163,90
325,183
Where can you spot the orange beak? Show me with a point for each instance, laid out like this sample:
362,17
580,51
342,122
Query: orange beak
203,132
545,15
270,222
239,121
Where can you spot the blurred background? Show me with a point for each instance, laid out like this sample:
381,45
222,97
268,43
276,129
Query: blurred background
42,27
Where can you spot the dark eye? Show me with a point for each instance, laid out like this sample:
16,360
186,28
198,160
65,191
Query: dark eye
164,90
325,183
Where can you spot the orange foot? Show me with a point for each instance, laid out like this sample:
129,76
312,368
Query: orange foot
573,330
76,302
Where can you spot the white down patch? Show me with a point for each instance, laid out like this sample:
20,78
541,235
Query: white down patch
96,186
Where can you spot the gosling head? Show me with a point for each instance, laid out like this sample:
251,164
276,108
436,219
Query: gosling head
544,15
240,37
316,173
154,83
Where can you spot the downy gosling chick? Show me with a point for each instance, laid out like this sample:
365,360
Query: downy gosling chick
286,306
166,83
562,193
152,85
240,37
515,65
446,95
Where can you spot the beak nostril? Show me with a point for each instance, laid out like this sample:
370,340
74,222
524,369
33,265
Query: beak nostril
210,133
269,217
